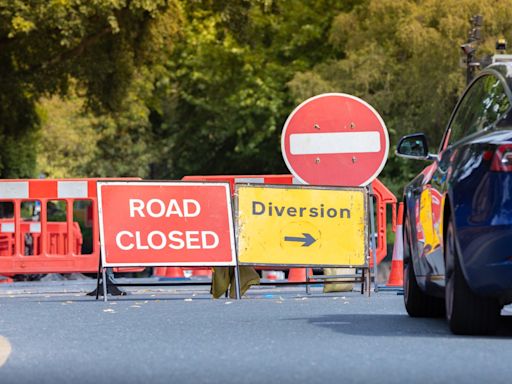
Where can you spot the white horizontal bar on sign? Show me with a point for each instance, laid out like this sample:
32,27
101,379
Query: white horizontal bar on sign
7,228
72,189
254,180
334,142
14,190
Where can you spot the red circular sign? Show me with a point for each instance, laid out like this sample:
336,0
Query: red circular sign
335,139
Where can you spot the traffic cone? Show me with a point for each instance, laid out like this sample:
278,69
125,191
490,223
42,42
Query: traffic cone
298,275
174,272
202,272
159,271
396,276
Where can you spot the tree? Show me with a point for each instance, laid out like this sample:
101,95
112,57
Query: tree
45,44
67,141
226,97
403,58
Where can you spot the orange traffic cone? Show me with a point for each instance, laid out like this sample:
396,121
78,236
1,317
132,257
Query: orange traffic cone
396,276
298,275
174,272
202,272
159,271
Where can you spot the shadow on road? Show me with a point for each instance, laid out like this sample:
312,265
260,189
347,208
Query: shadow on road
117,299
396,325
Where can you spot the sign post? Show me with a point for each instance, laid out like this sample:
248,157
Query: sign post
165,224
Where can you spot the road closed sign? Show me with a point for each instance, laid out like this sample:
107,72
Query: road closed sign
290,225
166,223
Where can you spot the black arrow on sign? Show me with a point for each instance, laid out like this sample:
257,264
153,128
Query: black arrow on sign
307,239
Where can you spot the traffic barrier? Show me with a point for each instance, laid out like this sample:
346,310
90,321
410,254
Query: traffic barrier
253,179
238,179
396,276
382,195
49,226
192,219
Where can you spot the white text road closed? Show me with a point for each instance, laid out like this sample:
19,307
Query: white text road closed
157,240
166,223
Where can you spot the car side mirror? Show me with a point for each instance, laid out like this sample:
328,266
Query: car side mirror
414,146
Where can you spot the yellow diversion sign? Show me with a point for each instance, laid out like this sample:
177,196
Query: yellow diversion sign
291,225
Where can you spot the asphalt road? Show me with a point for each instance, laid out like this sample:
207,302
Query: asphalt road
52,333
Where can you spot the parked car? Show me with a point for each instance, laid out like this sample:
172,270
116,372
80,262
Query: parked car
458,211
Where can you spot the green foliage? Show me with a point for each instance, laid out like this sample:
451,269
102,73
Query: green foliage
44,44
226,98
402,57
125,140
68,138
217,101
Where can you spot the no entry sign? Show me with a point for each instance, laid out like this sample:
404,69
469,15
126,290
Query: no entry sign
335,139
165,223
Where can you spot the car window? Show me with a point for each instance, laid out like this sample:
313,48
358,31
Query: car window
482,106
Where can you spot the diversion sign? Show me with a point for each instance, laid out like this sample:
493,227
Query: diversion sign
290,225
165,224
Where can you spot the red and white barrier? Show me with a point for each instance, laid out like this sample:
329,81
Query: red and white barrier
396,276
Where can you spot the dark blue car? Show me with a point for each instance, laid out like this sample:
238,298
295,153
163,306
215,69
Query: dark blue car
458,211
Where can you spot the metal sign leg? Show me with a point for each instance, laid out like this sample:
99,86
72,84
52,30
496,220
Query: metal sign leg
368,282
308,288
373,244
237,282
104,278
98,279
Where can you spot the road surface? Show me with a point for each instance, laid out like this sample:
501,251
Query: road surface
53,333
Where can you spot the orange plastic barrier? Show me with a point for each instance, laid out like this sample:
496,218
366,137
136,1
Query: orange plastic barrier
37,243
383,197
258,179
232,180
57,238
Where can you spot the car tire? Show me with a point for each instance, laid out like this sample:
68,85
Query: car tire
417,303
466,312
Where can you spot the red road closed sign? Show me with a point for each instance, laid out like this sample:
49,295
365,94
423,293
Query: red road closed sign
335,139
166,223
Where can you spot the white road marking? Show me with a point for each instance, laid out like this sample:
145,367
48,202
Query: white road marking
5,350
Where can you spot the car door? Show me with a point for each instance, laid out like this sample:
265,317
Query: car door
476,111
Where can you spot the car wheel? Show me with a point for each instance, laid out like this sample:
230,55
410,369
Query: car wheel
417,303
466,312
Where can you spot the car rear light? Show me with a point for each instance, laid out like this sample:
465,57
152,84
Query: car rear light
502,159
